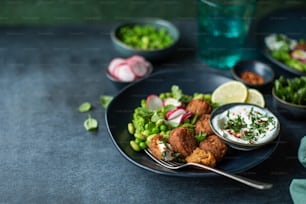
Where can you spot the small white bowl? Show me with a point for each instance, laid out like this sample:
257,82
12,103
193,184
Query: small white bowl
219,121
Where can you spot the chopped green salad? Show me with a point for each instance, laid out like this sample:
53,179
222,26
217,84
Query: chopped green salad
288,51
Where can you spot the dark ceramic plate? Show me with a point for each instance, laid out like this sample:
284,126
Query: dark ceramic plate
290,22
120,110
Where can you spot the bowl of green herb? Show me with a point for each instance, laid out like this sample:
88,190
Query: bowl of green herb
289,96
152,38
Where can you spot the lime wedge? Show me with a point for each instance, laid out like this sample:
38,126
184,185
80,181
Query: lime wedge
230,92
255,97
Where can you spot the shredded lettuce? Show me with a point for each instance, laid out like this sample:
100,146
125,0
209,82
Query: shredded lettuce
291,90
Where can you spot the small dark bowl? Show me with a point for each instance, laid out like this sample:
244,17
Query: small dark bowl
254,66
217,122
289,110
121,84
151,55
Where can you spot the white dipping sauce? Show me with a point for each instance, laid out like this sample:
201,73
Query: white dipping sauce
246,124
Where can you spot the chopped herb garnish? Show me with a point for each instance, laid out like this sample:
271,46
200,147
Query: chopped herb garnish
250,127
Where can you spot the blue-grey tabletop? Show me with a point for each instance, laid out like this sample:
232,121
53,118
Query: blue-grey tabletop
46,155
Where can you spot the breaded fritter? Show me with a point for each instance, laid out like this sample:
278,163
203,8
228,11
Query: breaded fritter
201,156
203,126
154,146
199,107
182,140
214,145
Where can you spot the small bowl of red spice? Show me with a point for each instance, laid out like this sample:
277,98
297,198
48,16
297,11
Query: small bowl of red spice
253,73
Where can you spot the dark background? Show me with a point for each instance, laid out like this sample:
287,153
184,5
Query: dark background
46,72
38,12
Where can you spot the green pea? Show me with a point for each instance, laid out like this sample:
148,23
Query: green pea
163,128
155,130
142,145
137,140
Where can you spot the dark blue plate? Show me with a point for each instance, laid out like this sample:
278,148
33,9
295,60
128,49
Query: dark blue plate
290,22
120,110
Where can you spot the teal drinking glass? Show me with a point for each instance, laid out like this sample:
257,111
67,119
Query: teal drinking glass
222,29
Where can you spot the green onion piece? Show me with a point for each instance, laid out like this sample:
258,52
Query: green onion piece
200,137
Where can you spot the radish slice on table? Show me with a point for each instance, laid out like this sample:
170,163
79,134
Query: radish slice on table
172,101
124,73
154,102
114,63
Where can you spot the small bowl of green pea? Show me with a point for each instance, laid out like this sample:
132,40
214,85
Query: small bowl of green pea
154,39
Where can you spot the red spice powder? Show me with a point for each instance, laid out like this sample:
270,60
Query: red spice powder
252,78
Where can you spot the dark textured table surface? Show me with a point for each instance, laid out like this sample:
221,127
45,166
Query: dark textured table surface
46,155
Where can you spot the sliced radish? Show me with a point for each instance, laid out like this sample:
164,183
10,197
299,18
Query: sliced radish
154,102
172,101
299,54
177,120
136,58
139,70
303,61
175,113
187,115
113,73
114,63
138,65
129,69
169,113
123,73
179,116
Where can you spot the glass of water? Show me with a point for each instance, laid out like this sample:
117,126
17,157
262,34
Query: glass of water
222,29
